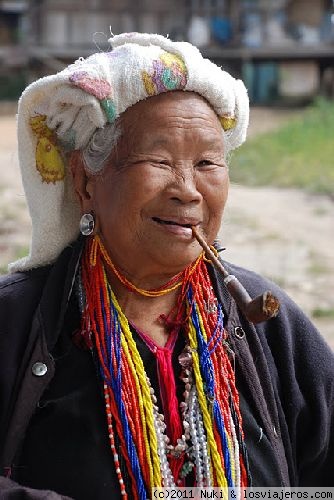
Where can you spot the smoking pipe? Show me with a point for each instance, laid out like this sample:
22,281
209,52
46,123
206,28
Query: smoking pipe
256,310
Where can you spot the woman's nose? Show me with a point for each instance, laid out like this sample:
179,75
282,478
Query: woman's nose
184,187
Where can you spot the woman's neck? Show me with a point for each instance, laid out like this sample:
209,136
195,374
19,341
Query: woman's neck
145,312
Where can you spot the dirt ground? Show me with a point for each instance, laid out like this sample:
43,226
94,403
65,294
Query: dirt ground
284,234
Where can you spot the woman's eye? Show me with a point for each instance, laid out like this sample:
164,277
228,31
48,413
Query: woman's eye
161,163
204,163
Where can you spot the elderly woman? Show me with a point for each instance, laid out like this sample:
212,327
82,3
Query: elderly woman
125,362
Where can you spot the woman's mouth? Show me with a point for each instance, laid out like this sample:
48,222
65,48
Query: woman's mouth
177,227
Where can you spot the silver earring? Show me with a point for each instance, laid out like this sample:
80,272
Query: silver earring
87,224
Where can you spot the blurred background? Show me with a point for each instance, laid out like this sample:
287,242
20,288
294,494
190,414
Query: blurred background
280,216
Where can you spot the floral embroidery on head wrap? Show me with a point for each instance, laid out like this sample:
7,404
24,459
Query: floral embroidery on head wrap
227,122
49,161
169,73
99,88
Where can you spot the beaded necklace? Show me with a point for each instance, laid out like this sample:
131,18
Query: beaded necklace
212,439
168,287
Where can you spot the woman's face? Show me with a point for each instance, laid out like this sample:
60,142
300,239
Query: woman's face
168,172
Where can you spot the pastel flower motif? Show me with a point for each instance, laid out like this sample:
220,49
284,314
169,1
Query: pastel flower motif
168,73
99,88
49,161
109,108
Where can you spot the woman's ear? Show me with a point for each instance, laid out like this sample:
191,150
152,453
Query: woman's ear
81,182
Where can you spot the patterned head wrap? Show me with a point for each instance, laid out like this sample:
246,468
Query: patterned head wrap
61,112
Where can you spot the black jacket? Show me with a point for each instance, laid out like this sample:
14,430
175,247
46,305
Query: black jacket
284,366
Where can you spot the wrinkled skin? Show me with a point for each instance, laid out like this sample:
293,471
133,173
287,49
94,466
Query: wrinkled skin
169,166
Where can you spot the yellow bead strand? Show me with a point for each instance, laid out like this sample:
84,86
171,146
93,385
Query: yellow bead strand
143,393
212,445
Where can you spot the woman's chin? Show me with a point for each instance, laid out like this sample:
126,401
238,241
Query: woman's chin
177,261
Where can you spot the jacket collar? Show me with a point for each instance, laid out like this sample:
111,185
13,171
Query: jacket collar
58,290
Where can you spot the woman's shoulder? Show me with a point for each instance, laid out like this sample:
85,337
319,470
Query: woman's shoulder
22,284
291,329
31,282
295,344
20,294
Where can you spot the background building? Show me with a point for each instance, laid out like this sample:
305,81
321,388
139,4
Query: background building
284,49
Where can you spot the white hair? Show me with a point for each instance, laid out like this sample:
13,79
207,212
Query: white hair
102,143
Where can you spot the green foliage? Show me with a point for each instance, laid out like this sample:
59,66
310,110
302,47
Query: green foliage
300,154
323,313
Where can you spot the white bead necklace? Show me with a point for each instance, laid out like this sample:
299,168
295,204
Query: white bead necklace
193,441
